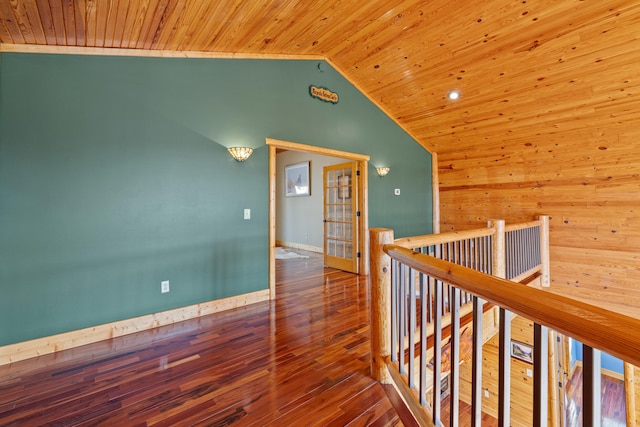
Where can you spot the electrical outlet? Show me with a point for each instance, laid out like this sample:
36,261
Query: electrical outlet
396,191
164,286
486,393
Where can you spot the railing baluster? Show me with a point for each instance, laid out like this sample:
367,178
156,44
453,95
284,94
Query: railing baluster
591,386
437,353
476,364
504,365
528,253
394,310
424,283
412,326
485,258
402,300
540,375
454,375
429,299
508,247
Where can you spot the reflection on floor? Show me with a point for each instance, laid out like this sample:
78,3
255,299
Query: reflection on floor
613,401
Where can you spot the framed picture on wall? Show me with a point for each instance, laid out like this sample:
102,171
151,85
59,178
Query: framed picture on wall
522,351
296,180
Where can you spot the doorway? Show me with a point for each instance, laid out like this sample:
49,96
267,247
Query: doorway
361,162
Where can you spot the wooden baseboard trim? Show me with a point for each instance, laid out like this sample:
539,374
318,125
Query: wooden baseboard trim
40,346
299,246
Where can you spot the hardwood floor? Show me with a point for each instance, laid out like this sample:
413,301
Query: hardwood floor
301,360
613,401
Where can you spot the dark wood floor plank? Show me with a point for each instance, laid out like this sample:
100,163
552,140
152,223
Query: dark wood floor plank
302,359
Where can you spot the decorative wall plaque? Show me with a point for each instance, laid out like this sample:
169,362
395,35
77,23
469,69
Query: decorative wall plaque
323,94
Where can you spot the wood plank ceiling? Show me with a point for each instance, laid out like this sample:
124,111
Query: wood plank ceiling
406,55
547,121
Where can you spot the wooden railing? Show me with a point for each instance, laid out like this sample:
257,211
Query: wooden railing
512,251
407,285
516,252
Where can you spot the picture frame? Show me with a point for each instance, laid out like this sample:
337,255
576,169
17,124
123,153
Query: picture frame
296,180
522,351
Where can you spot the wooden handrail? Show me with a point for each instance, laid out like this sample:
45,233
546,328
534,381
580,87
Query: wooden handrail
437,239
594,326
522,225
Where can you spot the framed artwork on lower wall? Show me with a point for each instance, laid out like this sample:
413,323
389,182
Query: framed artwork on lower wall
522,351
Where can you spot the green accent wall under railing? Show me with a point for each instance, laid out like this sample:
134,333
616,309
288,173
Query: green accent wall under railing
115,176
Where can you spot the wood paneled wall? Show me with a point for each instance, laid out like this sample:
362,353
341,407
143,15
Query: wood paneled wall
555,131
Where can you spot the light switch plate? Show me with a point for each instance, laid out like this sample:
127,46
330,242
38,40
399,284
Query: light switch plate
164,286
247,214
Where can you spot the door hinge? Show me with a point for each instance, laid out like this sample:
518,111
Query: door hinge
358,255
358,213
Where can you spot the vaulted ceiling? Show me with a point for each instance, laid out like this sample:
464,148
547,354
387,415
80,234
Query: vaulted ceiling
518,64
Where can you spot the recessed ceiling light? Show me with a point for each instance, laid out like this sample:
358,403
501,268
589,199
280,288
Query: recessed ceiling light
453,95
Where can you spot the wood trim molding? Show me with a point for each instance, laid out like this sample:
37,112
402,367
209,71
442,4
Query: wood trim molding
37,347
363,199
435,189
272,220
302,246
101,51
286,145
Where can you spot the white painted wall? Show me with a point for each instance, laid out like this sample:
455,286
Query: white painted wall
299,219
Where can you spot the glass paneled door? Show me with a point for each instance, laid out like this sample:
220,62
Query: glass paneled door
340,217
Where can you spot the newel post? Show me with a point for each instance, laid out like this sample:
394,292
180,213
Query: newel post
380,265
499,248
544,251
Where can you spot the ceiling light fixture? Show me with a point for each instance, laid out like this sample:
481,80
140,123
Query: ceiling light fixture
240,153
453,95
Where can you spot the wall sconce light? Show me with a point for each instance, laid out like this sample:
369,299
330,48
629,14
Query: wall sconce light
382,171
240,153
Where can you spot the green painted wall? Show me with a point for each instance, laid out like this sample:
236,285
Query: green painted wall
114,176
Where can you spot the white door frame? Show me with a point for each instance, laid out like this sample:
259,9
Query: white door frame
363,186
